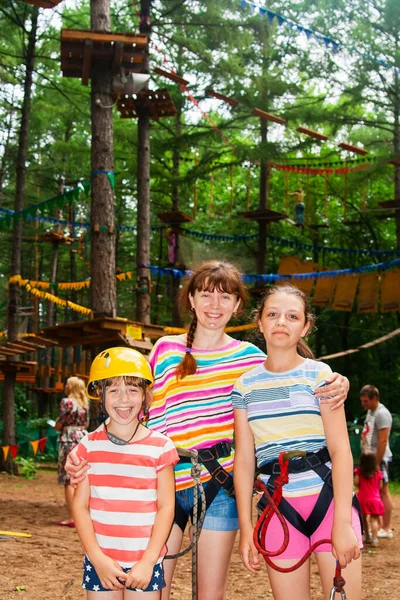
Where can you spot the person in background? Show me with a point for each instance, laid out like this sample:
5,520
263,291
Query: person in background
194,374
368,479
375,438
72,421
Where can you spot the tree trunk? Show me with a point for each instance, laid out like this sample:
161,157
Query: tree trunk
143,300
175,281
262,225
102,259
396,148
14,291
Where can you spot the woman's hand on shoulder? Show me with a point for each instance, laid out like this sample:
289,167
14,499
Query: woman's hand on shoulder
75,467
335,391
248,552
344,544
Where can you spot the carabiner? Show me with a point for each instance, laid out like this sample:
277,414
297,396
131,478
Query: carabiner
342,594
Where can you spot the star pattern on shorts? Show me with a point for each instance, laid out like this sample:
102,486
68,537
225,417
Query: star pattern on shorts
96,588
88,567
156,573
84,586
155,586
87,578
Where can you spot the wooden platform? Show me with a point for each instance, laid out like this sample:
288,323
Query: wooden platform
102,331
25,370
43,3
25,344
159,104
80,47
263,215
174,217
55,238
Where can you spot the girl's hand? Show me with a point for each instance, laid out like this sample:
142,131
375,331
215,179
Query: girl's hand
248,552
75,467
335,391
344,544
110,573
140,575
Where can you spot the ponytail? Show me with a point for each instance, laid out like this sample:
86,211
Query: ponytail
188,364
304,349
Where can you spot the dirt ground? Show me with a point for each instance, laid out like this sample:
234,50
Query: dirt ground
48,565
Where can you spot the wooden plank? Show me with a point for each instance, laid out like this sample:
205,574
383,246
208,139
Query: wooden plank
173,76
313,134
87,61
138,39
226,99
355,149
267,116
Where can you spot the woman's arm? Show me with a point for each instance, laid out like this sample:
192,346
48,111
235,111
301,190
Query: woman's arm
335,390
106,568
140,574
244,468
344,542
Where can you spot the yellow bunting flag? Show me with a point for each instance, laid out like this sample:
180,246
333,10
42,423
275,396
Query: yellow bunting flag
5,451
35,446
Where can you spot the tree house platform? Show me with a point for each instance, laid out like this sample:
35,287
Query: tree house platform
43,3
25,370
80,47
390,203
159,104
53,237
104,330
264,214
174,217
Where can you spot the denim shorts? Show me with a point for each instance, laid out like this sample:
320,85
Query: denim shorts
221,515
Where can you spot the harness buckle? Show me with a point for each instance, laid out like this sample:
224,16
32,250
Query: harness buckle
276,469
294,454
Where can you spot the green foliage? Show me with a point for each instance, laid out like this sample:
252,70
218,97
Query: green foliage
26,467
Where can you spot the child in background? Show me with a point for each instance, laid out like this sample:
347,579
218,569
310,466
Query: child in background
369,481
124,509
277,410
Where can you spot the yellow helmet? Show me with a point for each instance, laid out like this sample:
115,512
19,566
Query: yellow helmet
118,362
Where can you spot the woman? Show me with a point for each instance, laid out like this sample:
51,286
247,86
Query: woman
194,374
72,420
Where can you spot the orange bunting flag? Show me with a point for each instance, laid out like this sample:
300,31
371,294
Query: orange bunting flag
42,444
35,445
14,450
5,452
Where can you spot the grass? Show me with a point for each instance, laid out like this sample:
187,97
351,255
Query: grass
394,487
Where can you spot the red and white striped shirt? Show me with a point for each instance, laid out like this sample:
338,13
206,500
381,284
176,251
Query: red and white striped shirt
123,491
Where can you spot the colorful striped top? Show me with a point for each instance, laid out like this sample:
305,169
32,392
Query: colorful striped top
284,414
196,412
123,491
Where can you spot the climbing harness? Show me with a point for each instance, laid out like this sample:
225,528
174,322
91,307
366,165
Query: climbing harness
275,504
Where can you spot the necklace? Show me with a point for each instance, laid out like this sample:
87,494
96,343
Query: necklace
118,441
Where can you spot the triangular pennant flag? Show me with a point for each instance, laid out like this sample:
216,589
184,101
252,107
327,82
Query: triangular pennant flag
42,444
111,178
14,450
5,452
35,445
271,16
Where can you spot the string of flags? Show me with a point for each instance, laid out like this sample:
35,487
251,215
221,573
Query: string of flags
313,171
274,278
36,445
310,33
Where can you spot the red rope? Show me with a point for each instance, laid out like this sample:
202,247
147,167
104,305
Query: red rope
260,530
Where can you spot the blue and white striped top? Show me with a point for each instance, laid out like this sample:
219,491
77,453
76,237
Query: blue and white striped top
284,414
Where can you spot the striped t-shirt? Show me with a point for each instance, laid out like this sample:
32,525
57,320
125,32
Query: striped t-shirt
123,491
196,412
284,414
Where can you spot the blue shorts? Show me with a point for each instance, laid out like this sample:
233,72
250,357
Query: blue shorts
91,581
221,515
385,470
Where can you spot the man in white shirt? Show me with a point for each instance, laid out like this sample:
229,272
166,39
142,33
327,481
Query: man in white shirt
375,437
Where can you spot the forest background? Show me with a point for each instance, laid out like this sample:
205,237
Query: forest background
328,65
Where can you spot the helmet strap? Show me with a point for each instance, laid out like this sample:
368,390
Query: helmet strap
103,412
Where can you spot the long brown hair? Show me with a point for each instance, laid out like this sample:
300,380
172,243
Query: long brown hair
208,276
368,466
302,348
